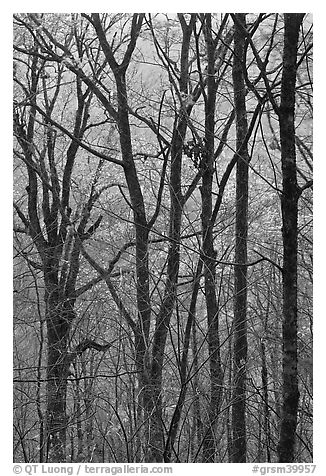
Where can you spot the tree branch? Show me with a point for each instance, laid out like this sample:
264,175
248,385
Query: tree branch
85,345
79,142
105,275
308,184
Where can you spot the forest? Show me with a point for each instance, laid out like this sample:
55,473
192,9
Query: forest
162,237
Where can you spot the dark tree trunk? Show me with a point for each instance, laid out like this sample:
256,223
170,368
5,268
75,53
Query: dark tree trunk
142,270
59,314
290,197
55,246
57,343
241,230
197,413
208,251
141,331
166,309
264,381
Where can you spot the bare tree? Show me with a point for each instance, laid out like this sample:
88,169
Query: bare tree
290,195
241,234
56,232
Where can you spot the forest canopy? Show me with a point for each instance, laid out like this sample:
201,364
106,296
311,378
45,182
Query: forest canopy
162,237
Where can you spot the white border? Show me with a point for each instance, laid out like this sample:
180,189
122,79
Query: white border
319,196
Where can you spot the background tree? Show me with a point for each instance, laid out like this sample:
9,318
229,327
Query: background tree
55,229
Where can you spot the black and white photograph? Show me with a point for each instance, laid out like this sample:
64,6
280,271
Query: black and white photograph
162,240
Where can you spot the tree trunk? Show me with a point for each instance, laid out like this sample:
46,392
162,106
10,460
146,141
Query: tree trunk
156,453
241,230
175,421
266,406
290,197
121,116
208,251
166,309
58,326
197,413
142,270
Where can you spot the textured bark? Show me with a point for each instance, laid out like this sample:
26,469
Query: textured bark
58,327
241,231
290,195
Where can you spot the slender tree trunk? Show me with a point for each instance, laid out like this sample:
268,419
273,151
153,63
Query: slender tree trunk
264,378
142,271
79,417
121,116
39,395
241,230
197,420
290,197
175,421
164,315
208,251
157,446
265,384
